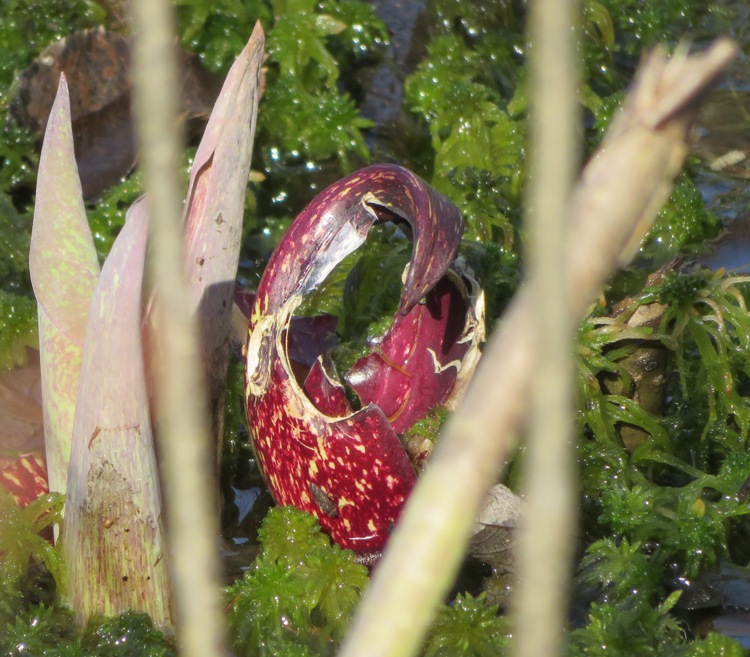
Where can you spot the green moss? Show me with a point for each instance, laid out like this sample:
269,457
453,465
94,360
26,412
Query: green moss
363,292
236,452
467,628
298,598
44,631
676,491
630,627
18,321
682,224
478,147
428,427
20,542
715,645
18,328
641,24
107,217
128,635
218,30
633,617
299,594
318,125
372,289
688,527
477,20
362,31
309,124
304,114
41,631
602,108
15,235
709,337
679,290
619,568
23,36
19,159
670,502
31,623
597,23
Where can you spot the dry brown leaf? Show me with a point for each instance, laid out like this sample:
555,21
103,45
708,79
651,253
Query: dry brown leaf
21,428
97,65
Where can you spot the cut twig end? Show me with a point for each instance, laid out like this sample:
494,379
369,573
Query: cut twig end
666,86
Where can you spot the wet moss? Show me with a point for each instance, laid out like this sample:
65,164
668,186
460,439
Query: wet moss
683,225
299,594
15,228
467,628
664,21
478,147
18,328
128,635
21,544
51,631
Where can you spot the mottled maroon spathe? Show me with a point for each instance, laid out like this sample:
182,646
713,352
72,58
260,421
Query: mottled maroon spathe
348,468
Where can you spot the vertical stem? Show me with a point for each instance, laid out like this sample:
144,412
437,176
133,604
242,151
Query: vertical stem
180,390
545,542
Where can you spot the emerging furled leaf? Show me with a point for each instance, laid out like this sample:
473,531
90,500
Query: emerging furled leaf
114,537
214,213
64,269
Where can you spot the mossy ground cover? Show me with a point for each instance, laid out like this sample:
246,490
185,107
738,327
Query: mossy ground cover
665,509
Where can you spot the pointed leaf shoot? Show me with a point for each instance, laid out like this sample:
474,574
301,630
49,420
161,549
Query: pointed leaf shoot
113,541
64,269
214,213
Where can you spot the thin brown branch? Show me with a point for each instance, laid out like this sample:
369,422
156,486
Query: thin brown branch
545,543
180,390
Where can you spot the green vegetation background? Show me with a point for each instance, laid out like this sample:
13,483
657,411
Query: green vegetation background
667,510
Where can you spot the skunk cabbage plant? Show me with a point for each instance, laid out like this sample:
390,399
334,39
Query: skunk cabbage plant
341,461
95,367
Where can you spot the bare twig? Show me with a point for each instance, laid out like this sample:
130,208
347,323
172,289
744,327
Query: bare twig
180,391
545,542
612,207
